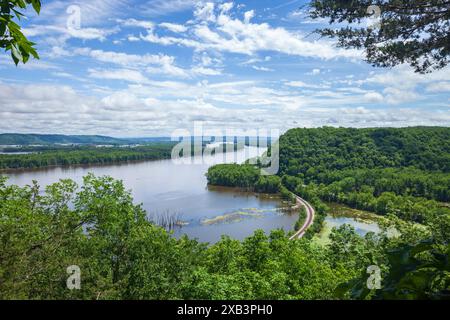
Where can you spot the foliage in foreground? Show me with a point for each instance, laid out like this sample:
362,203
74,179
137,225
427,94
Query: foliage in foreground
124,256
11,37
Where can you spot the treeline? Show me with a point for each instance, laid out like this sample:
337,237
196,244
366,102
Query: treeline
86,155
122,255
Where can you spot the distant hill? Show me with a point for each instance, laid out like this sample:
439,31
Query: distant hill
45,139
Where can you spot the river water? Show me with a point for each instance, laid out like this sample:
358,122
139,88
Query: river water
166,187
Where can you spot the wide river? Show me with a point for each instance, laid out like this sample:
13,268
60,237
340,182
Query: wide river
164,187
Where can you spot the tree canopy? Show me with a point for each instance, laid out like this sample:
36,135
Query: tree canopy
123,255
413,32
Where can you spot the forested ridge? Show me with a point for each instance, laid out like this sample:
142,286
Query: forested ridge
311,151
400,171
45,139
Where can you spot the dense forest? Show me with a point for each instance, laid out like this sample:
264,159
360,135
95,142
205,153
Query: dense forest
308,152
401,173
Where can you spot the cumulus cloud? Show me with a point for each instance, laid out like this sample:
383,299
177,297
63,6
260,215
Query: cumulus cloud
248,15
262,69
373,97
118,74
205,11
177,28
301,84
225,7
439,87
220,32
67,33
401,83
159,107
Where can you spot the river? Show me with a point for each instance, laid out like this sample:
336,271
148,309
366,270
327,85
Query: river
165,187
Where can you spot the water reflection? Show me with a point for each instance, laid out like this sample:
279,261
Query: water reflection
361,227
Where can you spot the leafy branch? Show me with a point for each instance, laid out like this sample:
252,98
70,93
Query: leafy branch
11,37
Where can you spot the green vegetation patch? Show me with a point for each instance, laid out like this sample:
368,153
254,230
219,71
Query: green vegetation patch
231,217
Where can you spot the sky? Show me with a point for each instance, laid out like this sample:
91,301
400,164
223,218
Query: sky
129,68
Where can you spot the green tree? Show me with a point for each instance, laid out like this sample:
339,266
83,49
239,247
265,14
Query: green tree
414,32
11,37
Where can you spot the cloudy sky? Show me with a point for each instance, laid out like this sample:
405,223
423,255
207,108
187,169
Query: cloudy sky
145,68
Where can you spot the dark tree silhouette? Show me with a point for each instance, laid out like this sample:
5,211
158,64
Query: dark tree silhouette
414,32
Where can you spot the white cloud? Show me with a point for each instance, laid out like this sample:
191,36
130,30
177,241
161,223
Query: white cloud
398,96
301,84
199,70
409,78
225,7
222,33
205,12
177,28
67,33
118,74
150,63
262,69
248,15
136,23
439,87
401,83
160,107
124,59
374,97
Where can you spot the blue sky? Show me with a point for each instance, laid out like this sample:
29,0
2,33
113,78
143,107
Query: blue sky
147,68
